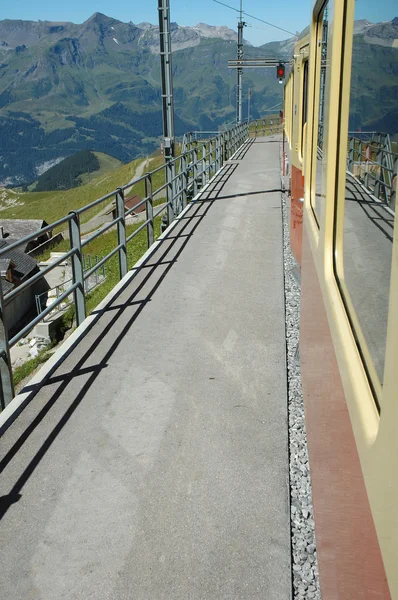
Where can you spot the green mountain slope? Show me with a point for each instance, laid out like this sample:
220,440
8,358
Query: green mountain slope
67,173
67,87
52,205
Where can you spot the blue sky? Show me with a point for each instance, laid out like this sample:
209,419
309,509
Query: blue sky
292,15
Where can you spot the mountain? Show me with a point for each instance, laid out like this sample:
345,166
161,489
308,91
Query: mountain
185,37
65,87
382,34
374,77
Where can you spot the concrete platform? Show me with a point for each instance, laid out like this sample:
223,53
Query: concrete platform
153,464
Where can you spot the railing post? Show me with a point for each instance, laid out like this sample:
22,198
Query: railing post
393,190
169,192
366,176
219,152
149,209
214,155
121,233
195,170
77,267
6,379
379,159
174,188
351,155
204,165
185,180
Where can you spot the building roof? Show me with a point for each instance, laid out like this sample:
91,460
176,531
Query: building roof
6,286
13,230
129,203
24,264
132,201
4,265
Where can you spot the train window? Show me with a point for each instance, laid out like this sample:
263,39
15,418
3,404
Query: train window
305,105
321,78
371,182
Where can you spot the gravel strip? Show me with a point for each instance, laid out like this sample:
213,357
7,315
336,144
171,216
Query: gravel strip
304,558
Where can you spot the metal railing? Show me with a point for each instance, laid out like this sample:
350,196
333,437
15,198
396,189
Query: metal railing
267,126
190,171
49,297
372,161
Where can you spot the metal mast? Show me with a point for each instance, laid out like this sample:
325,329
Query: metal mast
241,25
167,102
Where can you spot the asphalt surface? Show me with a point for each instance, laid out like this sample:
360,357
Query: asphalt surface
153,464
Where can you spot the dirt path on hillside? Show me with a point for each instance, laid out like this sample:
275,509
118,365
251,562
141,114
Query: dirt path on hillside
104,215
139,171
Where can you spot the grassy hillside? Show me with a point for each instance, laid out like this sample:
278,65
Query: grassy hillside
66,174
51,206
107,163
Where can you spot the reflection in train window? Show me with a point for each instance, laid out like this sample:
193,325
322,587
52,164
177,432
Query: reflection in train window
305,105
372,158
321,77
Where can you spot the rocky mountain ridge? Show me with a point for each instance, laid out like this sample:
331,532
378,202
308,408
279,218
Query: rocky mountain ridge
17,33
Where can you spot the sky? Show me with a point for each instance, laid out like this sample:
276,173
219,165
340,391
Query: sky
292,15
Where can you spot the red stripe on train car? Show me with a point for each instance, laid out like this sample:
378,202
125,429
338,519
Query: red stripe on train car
296,213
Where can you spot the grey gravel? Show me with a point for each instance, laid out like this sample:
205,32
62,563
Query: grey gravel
304,557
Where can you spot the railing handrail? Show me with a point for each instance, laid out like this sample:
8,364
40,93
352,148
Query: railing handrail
184,175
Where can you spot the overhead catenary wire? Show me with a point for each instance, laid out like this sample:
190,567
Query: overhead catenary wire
253,17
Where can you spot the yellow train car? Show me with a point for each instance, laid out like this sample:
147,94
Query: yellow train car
296,91
349,304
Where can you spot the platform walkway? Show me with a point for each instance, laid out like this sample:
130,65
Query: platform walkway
153,463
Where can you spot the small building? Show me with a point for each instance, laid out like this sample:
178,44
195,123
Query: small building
6,268
130,203
14,230
16,267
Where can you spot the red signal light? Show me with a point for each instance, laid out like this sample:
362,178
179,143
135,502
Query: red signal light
280,71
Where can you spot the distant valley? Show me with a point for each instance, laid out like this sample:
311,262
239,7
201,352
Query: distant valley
66,87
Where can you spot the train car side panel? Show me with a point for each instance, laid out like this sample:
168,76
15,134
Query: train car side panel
353,446
350,562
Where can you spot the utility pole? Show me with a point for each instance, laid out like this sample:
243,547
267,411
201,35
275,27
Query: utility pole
167,104
248,104
241,25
